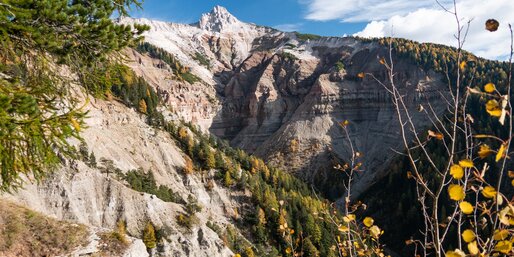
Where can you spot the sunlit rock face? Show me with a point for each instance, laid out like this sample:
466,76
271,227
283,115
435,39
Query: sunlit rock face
272,88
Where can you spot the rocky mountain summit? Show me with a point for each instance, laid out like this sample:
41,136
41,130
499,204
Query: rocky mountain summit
219,19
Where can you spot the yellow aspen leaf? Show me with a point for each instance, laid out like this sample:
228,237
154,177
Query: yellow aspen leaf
463,65
501,234
492,105
382,61
435,135
368,222
455,253
288,250
343,229
489,192
349,218
504,217
495,113
489,87
361,75
466,163
466,207
511,174
484,151
468,236
375,231
456,192
500,153
512,182
456,171
237,255
473,248
503,247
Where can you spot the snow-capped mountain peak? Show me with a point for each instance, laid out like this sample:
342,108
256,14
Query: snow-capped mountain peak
218,20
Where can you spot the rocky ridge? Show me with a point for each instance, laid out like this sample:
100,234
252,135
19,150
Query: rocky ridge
284,87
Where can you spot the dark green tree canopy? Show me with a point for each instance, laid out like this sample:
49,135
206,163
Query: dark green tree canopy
45,46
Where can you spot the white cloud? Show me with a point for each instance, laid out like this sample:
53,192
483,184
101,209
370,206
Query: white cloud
289,27
438,26
363,10
424,21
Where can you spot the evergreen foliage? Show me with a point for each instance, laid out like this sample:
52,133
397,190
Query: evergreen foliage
145,182
39,39
180,71
149,236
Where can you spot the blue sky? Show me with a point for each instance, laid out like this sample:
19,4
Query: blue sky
282,14
420,20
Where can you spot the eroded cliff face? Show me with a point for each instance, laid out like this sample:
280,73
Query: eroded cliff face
277,88
96,197
274,100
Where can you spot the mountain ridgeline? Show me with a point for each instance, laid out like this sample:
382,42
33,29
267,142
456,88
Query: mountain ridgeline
224,138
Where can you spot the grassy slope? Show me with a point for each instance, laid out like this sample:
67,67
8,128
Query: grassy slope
27,233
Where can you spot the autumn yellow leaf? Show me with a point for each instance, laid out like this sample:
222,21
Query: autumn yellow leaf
466,207
468,236
343,229
368,222
466,163
500,153
484,151
456,171
493,108
495,112
491,105
473,248
456,192
361,75
489,192
501,234
375,231
349,218
489,87
503,247
463,65
288,250
455,253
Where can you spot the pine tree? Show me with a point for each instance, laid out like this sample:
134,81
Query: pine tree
210,162
189,166
149,236
142,106
309,249
228,179
92,160
39,39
